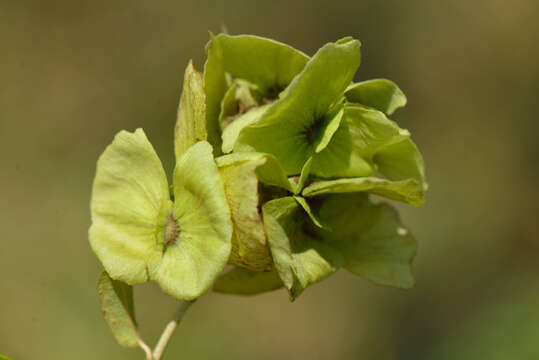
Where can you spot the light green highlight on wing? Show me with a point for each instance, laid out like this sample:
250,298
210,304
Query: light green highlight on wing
191,263
408,191
130,202
382,94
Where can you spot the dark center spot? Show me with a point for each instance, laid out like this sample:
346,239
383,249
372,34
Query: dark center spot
241,108
267,101
272,94
312,132
268,192
172,230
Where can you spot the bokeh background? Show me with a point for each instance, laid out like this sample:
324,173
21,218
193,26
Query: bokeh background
73,73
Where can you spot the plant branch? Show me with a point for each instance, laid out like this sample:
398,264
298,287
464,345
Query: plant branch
169,330
145,348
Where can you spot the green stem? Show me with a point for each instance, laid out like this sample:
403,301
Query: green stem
169,330
145,348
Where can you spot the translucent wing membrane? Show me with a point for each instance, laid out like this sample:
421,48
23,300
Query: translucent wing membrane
409,191
299,255
291,125
130,199
268,64
382,94
190,125
402,160
193,259
363,132
139,235
243,174
373,242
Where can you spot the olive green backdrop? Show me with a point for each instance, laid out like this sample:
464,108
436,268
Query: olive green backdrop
73,73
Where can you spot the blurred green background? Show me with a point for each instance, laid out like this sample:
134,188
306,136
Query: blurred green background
73,73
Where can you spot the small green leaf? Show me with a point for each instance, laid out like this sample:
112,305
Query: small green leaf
300,256
232,131
381,94
409,191
2,357
362,133
130,199
298,182
238,99
290,128
190,125
371,238
400,161
328,129
195,256
305,205
240,281
118,309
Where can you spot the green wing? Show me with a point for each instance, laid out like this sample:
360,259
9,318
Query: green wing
200,245
300,256
242,174
381,94
402,160
408,191
268,64
130,201
190,125
290,128
371,239
362,133
118,309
